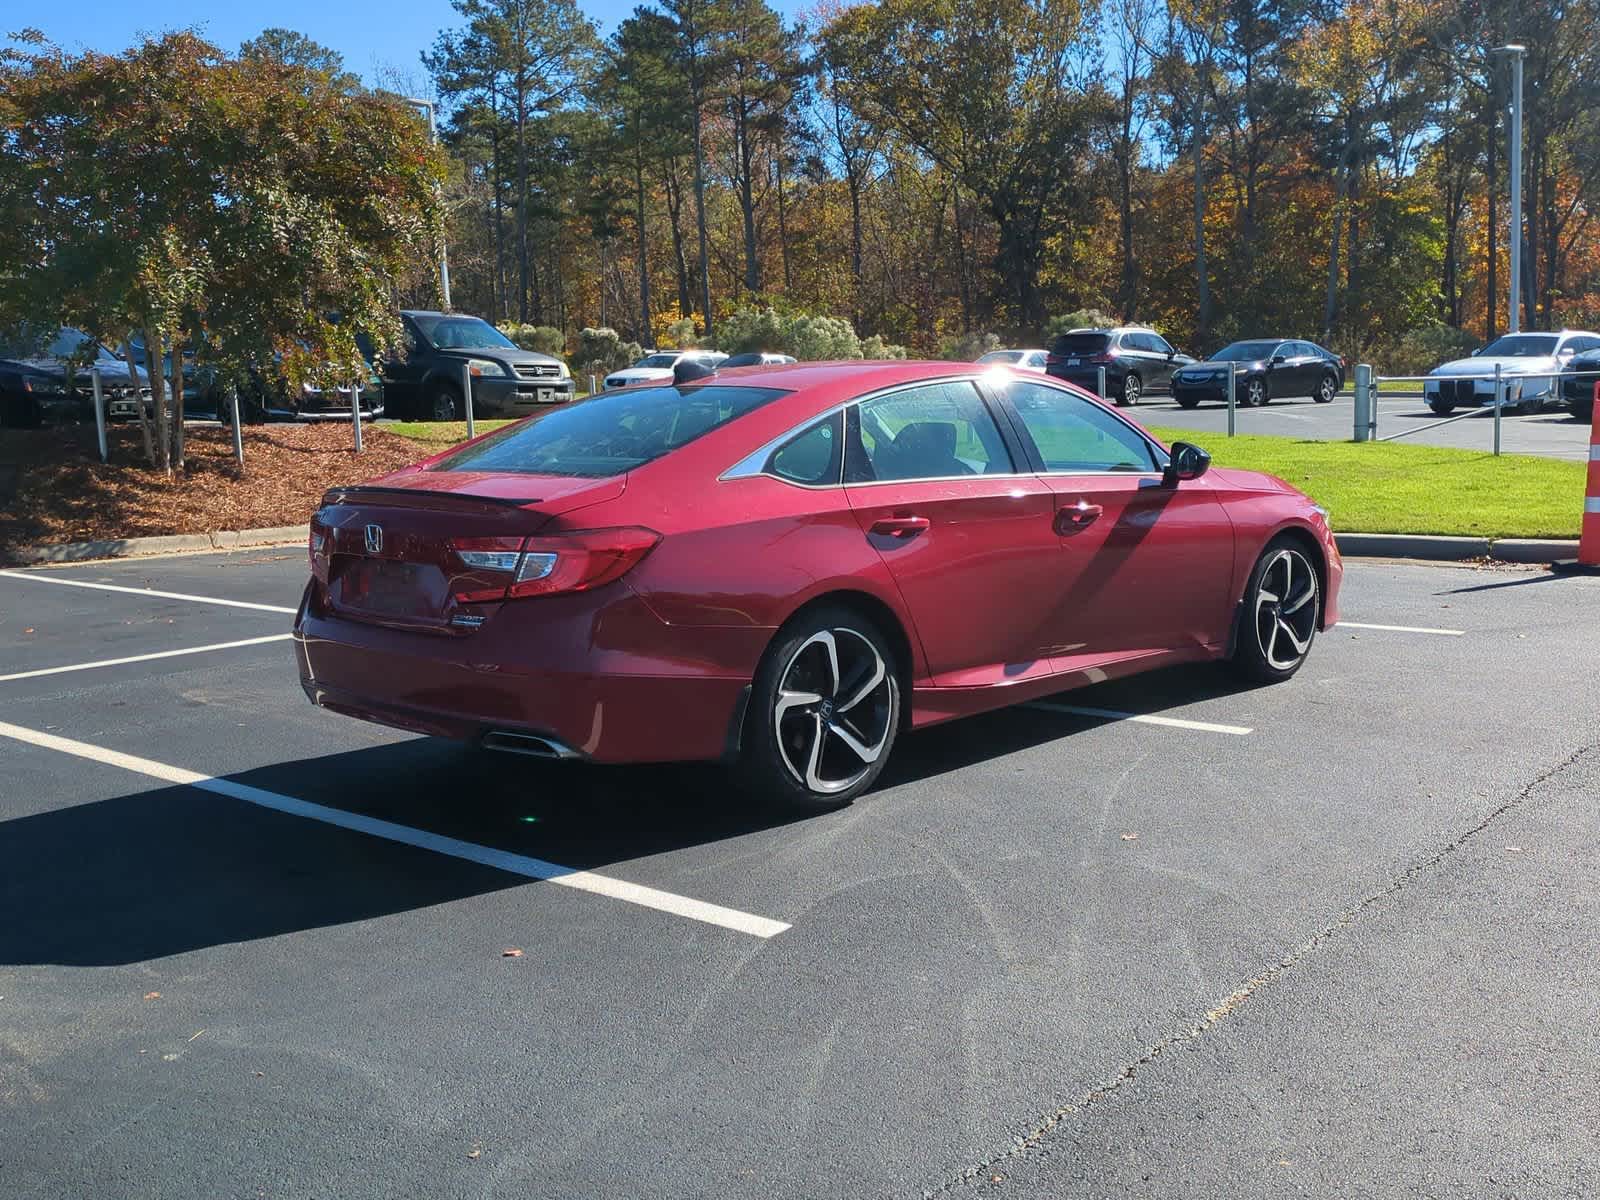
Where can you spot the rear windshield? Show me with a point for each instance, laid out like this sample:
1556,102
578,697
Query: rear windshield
1522,345
1081,343
1245,351
611,433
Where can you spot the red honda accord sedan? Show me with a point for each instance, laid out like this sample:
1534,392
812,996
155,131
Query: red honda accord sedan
785,567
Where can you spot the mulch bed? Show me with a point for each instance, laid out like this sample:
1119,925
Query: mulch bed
53,487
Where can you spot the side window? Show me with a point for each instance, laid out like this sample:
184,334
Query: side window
1073,434
811,457
1137,341
1160,344
1307,350
940,431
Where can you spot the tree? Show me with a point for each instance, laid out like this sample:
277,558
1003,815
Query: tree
250,210
286,48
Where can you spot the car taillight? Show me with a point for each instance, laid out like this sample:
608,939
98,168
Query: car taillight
317,550
517,568
1100,358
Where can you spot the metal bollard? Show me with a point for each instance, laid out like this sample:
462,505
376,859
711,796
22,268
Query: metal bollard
100,411
1233,380
238,428
594,385
1499,403
466,399
355,413
1100,381
1364,408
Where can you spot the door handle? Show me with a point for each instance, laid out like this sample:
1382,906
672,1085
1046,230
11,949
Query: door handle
1074,517
900,527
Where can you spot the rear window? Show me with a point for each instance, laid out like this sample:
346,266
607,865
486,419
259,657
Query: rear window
610,433
1081,343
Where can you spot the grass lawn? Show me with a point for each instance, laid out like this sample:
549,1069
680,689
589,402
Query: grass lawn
1384,487
1374,487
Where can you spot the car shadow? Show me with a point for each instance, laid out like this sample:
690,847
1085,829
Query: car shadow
168,870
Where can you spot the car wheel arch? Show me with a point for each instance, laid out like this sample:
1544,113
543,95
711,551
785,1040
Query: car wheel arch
1305,540
884,617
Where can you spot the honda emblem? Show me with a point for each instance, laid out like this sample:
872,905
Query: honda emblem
374,539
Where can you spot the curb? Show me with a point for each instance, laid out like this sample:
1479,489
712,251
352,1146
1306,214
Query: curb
177,543
1432,548
1426,547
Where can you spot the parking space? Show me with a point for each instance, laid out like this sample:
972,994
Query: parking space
254,949
1553,434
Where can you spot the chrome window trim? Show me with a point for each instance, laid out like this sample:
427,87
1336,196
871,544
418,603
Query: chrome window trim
753,465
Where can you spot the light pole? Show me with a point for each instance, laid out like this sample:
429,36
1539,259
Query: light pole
1514,323
444,251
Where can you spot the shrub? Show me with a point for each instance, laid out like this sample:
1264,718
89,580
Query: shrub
542,339
750,329
1418,351
601,351
680,335
966,347
1083,318
876,347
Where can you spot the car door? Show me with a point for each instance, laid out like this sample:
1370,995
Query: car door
1310,366
1163,359
1146,567
965,530
402,376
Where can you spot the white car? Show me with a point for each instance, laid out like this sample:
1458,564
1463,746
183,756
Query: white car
1023,360
657,367
1529,362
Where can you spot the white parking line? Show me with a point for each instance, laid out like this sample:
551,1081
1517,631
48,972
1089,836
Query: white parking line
515,864
1401,629
35,577
1109,714
134,658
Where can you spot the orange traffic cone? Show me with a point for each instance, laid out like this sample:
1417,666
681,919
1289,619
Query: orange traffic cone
1589,540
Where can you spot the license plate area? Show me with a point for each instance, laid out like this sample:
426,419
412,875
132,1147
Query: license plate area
381,587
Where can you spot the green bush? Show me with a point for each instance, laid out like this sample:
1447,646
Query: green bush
601,351
542,339
1418,351
809,337
1083,318
876,347
967,347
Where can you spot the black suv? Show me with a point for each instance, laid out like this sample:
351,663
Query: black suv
49,377
1137,360
507,380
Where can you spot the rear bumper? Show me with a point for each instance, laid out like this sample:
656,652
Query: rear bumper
1088,379
608,680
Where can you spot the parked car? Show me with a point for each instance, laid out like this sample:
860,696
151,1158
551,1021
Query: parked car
786,568
1023,360
755,358
1577,387
1264,369
424,382
1532,362
657,367
48,377
1136,359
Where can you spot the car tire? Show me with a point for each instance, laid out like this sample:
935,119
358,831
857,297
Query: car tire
1278,617
1256,394
1132,389
20,412
1187,401
1582,409
443,403
800,750
1441,408
1327,389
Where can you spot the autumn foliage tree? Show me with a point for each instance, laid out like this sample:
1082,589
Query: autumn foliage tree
256,210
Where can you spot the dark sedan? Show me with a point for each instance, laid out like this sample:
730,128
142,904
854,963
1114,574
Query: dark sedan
50,378
1578,385
1264,369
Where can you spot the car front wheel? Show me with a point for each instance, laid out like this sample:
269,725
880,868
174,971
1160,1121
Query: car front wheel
1278,620
444,403
1255,393
1327,389
823,712
1132,389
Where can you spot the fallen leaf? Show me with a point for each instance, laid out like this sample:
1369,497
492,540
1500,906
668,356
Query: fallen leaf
475,1152
152,995
27,631
1514,849
1130,837
511,952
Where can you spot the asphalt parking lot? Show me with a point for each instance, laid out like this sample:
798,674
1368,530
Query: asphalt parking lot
1329,938
1553,434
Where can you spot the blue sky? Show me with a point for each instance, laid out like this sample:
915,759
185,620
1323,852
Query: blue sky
371,34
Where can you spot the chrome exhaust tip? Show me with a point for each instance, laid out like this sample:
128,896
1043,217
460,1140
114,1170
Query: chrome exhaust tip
508,741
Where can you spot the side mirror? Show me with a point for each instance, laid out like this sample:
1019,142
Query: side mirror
1277,360
1187,461
1171,354
1477,352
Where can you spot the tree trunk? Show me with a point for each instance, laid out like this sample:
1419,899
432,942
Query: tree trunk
646,330
697,101
158,390
1202,282
501,308
177,403
680,257
1330,309
522,196
1493,302
783,224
